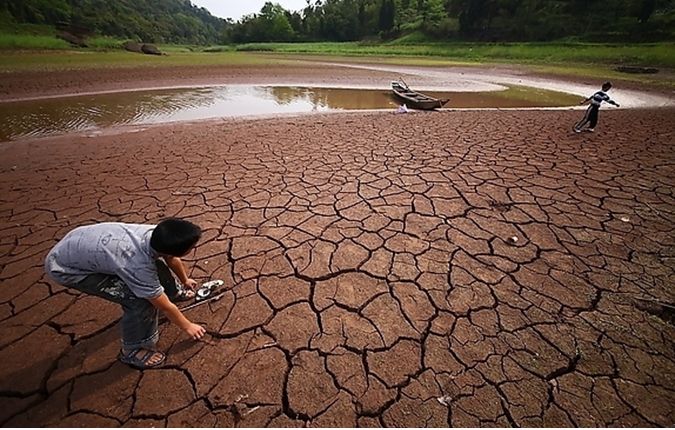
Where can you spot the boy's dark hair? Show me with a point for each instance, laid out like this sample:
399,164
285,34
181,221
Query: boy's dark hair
607,85
175,236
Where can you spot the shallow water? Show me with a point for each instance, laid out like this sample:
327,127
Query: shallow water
38,118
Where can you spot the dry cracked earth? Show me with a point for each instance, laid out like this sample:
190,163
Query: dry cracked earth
372,274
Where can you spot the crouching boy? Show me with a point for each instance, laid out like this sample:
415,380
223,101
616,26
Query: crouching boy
131,264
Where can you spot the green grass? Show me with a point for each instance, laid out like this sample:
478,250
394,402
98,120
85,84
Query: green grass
658,55
104,43
17,61
413,45
29,41
10,41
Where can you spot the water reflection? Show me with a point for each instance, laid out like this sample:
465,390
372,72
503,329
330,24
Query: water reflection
62,115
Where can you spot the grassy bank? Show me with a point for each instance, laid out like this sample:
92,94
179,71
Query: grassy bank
23,60
30,41
656,55
652,54
39,52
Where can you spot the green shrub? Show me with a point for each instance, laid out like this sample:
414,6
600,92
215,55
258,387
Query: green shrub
256,47
104,43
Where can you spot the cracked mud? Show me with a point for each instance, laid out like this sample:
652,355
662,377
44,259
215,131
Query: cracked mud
372,274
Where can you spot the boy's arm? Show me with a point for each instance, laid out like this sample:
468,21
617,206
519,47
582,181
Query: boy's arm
610,101
177,266
174,315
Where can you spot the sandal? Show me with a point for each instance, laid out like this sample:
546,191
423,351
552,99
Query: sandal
141,358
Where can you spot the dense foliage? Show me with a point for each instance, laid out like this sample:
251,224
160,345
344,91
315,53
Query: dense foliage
179,21
486,20
159,21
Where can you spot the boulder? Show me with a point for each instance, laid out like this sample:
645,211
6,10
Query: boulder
150,49
133,46
72,39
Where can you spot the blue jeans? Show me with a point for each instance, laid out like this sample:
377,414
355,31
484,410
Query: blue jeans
140,319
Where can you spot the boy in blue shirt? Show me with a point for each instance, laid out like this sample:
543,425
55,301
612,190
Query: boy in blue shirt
591,116
131,264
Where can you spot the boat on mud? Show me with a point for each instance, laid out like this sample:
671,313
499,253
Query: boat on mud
415,100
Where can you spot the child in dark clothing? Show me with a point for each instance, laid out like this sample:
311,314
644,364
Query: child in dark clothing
591,116
131,264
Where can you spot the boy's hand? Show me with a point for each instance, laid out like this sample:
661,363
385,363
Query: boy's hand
191,284
174,314
195,331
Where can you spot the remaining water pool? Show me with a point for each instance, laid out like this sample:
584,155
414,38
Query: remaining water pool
44,117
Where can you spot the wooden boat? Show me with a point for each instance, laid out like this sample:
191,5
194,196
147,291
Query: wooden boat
415,100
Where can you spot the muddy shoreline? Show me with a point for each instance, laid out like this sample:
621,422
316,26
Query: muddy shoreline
33,85
26,85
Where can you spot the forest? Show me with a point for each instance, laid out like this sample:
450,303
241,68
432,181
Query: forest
179,21
480,20
158,21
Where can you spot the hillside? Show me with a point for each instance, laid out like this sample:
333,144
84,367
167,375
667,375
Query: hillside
165,21
373,21
608,21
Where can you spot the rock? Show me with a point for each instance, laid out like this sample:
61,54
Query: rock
150,49
141,48
72,39
133,46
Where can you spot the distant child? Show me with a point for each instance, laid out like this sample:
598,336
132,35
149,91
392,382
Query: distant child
592,111
129,264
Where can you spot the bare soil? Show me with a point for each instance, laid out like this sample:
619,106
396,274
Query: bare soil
372,274
21,85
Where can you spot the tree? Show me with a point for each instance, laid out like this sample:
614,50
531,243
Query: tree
311,20
339,20
38,11
646,10
179,21
149,20
474,16
274,23
387,15
407,18
433,14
